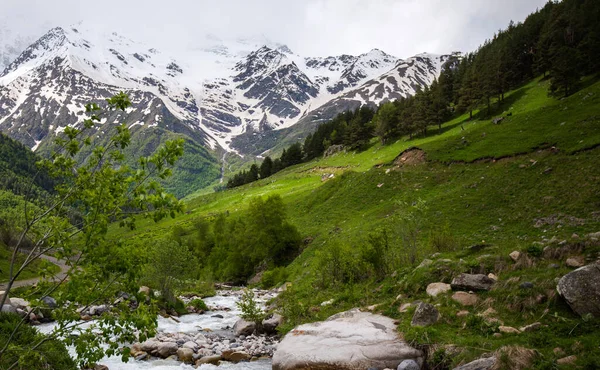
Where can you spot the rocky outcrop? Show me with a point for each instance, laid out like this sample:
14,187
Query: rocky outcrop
472,282
350,340
581,290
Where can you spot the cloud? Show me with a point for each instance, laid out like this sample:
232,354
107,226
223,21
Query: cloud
308,27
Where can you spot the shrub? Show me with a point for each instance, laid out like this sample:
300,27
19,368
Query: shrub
199,304
52,354
535,251
251,310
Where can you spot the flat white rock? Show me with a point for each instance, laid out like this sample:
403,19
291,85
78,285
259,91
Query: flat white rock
348,340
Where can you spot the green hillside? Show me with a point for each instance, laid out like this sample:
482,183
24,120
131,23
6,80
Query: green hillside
522,184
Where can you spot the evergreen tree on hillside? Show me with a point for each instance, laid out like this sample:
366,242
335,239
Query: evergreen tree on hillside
385,122
266,167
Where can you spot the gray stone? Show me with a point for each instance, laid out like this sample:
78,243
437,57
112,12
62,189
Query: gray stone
409,365
581,290
166,349
353,340
479,364
150,345
472,282
141,357
270,325
425,314
191,345
243,327
50,302
8,308
19,303
526,285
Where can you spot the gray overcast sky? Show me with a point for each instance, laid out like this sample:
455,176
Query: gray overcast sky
309,27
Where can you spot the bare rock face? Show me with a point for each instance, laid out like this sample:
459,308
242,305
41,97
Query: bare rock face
472,282
581,290
351,340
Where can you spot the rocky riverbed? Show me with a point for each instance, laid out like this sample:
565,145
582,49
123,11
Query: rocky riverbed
201,340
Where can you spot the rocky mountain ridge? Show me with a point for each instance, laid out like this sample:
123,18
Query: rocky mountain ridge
213,94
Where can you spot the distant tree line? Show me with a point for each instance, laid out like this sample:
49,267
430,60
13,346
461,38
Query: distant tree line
560,41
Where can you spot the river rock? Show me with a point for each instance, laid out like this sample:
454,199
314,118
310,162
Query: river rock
19,303
213,360
185,355
479,364
270,325
472,282
409,365
425,314
350,340
235,356
243,327
166,349
150,345
435,289
191,345
50,302
581,290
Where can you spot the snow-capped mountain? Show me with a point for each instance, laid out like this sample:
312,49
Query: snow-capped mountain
214,92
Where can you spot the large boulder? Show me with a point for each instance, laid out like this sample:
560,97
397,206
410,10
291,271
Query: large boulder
350,340
581,290
243,327
472,282
425,314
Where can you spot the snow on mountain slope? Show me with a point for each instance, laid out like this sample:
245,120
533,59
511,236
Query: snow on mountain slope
402,80
219,89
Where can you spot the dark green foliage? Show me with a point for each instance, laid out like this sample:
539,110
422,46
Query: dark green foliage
266,168
51,353
199,304
234,249
19,172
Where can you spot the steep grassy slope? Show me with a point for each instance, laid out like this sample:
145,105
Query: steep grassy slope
527,183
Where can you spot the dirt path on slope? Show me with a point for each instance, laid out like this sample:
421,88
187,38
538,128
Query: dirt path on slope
58,276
